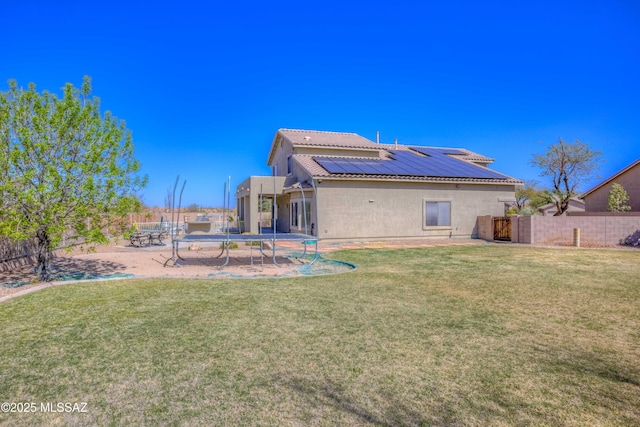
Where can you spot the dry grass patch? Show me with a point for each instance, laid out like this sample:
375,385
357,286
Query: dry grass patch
465,335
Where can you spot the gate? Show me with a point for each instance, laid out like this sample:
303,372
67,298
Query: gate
502,228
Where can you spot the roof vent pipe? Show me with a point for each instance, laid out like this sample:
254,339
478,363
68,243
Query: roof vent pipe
396,143
377,137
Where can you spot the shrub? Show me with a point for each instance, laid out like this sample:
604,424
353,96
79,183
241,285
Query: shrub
232,245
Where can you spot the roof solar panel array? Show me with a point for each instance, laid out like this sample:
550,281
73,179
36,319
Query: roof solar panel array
431,162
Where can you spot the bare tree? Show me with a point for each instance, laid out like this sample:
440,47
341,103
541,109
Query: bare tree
568,165
167,199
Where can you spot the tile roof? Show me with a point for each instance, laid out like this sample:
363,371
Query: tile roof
316,138
393,162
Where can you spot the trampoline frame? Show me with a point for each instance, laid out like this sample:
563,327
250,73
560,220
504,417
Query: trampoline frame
227,239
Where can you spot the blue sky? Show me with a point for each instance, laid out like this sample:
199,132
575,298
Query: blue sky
205,85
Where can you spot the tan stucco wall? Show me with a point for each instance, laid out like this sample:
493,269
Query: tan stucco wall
248,192
280,161
359,209
598,201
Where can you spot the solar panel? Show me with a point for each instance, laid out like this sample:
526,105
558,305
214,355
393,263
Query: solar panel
435,162
431,151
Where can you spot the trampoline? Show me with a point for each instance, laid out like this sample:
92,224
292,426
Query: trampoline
228,237
250,239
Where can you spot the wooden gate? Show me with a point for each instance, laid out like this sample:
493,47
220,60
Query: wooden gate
502,228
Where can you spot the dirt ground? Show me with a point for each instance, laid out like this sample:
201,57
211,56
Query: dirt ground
119,259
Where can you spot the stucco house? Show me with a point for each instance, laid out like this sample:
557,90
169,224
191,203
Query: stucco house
597,198
550,209
341,186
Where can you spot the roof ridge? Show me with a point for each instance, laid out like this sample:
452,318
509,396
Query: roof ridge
318,131
611,178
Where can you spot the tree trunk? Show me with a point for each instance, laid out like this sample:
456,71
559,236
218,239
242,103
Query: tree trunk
43,257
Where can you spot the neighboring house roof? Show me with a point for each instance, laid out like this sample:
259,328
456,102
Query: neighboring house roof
614,177
575,204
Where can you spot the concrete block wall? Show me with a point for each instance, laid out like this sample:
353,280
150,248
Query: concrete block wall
524,224
485,227
603,229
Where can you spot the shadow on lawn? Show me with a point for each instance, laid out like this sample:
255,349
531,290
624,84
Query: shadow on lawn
583,363
63,269
397,413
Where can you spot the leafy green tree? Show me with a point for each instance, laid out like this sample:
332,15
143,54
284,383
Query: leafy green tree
530,196
66,170
618,199
568,165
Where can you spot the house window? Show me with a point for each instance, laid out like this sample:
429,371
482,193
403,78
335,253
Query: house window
294,214
438,214
289,165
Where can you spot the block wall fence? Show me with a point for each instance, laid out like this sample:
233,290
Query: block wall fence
596,228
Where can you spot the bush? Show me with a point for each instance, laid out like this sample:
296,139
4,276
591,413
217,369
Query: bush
232,245
132,230
632,240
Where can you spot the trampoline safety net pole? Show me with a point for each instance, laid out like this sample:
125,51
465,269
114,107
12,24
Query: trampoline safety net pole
228,207
228,196
224,205
275,214
304,211
260,212
174,243
225,222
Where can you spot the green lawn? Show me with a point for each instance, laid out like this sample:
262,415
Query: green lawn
460,335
